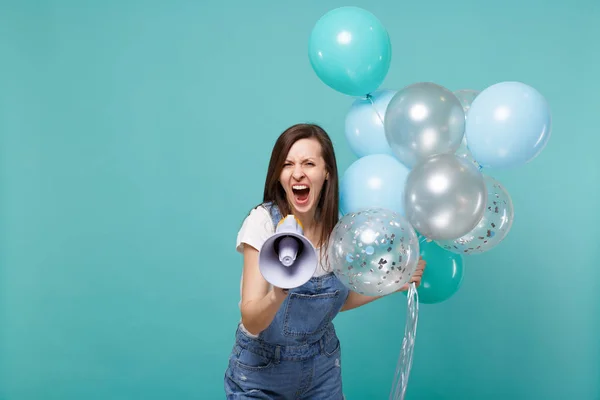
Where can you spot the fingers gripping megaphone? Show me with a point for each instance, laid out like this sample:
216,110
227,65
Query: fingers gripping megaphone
287,259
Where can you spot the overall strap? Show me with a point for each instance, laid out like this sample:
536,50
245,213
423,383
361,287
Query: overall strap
274,212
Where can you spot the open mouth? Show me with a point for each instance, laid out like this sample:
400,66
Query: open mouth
301,193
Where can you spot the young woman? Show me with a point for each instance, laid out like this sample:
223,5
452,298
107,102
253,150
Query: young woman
285,345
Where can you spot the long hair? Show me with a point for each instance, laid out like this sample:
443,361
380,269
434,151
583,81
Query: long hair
328,203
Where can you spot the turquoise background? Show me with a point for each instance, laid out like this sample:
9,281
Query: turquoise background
134,139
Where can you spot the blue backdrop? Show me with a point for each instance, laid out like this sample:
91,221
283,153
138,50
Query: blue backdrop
135,136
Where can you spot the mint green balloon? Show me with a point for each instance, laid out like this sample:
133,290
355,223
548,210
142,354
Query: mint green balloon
350,51
443,273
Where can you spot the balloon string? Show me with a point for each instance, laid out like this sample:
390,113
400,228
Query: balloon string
405,358
408,342
370,98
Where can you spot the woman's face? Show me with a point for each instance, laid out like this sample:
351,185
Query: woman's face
303,175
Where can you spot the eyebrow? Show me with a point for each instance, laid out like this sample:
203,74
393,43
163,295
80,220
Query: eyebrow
304,159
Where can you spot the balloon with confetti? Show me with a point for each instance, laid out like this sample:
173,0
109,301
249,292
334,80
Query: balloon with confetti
373,251
466,97
492,228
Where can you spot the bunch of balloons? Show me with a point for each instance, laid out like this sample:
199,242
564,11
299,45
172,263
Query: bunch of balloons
417,185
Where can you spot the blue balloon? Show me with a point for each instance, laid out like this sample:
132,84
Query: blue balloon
350,51
374,181
508,125
364,124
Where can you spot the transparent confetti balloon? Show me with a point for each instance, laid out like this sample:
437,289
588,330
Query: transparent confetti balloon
373,251
492,228
466,97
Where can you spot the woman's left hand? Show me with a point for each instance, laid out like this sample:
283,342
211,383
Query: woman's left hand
417,276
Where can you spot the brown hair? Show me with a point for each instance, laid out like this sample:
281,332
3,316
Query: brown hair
328,204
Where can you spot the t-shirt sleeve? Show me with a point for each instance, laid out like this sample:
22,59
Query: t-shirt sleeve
256,228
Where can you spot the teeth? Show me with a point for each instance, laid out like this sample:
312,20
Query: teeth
299,187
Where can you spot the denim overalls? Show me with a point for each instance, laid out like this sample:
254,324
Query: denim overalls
298,355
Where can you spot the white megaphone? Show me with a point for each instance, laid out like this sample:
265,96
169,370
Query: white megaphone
287,259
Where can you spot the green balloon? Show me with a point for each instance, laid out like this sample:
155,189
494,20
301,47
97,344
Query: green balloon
443,273
350,50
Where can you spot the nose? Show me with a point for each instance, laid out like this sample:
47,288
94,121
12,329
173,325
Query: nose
298,172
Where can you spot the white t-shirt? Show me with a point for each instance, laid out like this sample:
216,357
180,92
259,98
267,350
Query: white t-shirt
258,227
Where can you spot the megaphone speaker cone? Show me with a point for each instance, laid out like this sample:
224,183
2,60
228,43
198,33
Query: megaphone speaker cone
287,259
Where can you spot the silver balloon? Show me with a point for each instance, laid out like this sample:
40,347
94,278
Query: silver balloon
373,251
492,228
422,120
444,197
466,97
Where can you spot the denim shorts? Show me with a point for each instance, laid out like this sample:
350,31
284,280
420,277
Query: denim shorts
260,370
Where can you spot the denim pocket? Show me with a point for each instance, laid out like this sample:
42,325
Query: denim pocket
248,360
308,314
332,347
